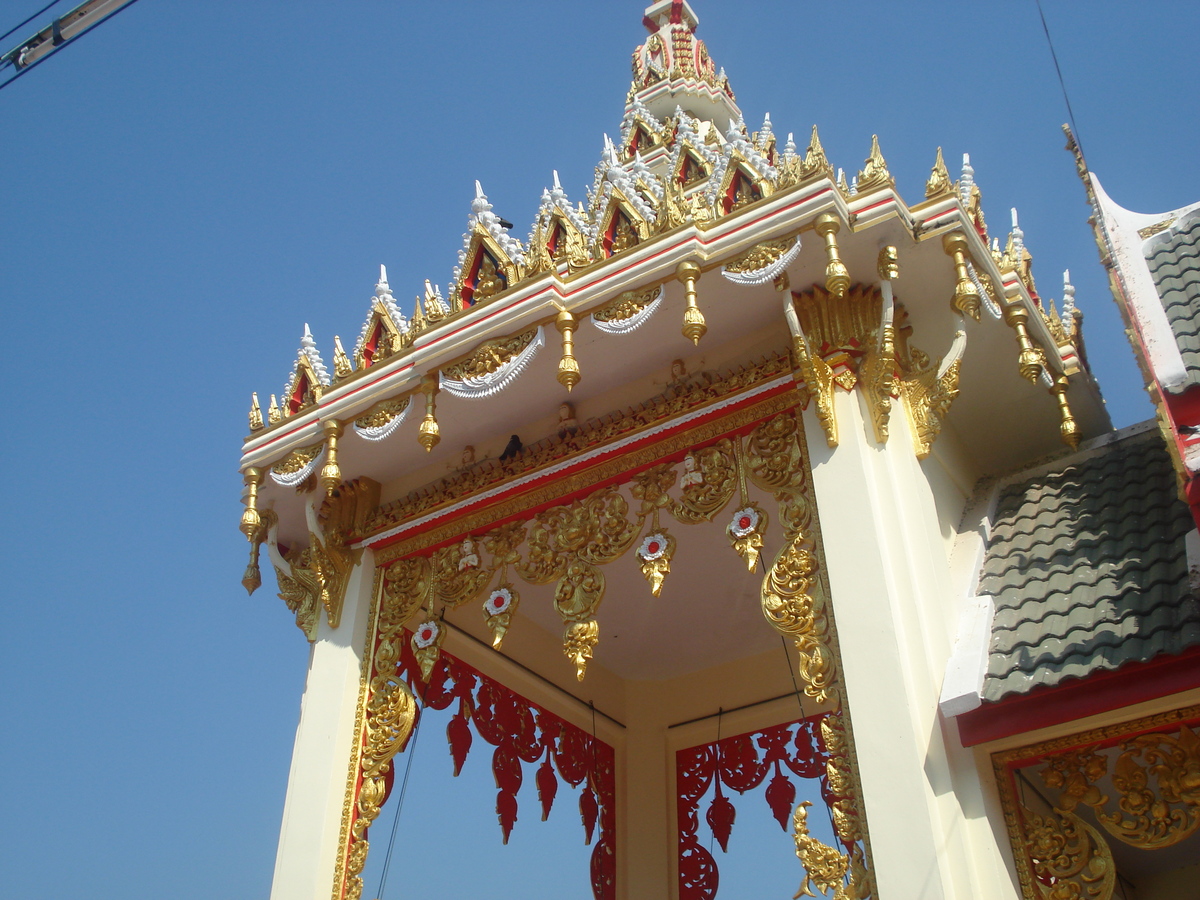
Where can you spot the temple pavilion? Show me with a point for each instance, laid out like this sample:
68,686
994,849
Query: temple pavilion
739,437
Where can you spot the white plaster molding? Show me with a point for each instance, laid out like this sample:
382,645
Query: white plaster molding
962,686
478,387
1126,246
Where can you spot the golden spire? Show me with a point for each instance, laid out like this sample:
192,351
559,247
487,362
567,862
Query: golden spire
256,419
815,162
939,183
341,362
875,174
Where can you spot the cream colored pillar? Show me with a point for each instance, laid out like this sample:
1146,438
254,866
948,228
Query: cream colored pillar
312,812
890,591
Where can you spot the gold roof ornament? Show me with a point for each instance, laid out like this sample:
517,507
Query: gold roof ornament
341,362
256,417
815,165
875,175
274,414
939,184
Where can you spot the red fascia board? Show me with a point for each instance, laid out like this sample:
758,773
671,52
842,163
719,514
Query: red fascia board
1079,698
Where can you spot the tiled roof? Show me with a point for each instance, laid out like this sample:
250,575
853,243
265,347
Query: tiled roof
1088,568
1174,260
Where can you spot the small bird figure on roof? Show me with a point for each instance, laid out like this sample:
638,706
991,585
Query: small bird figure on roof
514,447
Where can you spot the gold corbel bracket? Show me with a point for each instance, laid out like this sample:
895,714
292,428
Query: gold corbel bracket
819,377
966,295
879,368
429,434
568,366
694,328
837,278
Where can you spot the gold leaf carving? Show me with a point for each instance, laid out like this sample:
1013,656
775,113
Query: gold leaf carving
626,305
382,413
297,460
939,183
708,482
761,255
1070,859
490,356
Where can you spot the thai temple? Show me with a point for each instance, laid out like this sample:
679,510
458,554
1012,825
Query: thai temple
737,444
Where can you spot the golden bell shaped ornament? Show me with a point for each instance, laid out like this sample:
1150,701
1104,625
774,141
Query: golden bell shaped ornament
429,434
1069,431
966,295
694,327
579,643
837,278
251,520
568,366
1031,359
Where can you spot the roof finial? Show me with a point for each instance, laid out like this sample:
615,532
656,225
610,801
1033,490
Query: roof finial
557,186
382,287
1018,239
968,179
1068,298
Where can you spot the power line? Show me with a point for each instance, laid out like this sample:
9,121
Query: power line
53,33
30,19
1061,83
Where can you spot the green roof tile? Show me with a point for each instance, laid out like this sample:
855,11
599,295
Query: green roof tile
1088,568
1174,260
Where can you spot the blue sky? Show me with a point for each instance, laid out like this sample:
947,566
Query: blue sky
191,183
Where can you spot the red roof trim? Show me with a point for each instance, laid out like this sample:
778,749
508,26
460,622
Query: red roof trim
1081,697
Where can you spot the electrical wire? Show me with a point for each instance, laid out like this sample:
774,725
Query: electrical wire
70,40
30,19
1061,83
387,859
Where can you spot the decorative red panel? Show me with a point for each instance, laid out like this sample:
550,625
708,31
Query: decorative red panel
524,733
740,763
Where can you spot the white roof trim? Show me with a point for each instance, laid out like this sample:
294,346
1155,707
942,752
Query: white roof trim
962,687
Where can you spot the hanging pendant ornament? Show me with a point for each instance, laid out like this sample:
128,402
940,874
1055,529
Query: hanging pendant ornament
746,532
498,609
694,328
429,434
568,366
427,645
655,554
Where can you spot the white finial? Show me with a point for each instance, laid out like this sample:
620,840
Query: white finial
307,334
557,186
479,195
968,178
1015,224
853,185
1018,239
1068,294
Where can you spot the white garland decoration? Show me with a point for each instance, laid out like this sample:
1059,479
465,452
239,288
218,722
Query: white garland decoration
294,478
476,388
984,296
637,320
767,273
383,431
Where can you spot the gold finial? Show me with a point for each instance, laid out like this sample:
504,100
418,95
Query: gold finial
966,295
889,263
688,273
875,174
939,183
1031,359
274,414
251,520
429,434
837,278
568,366
842,184
815,162
256,419
1069,430
341,362
331,473
252,577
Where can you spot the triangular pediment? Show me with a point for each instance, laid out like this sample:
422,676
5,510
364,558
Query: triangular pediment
740,186
621,225
486,271
308,380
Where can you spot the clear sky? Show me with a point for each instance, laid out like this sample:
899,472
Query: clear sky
188,185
